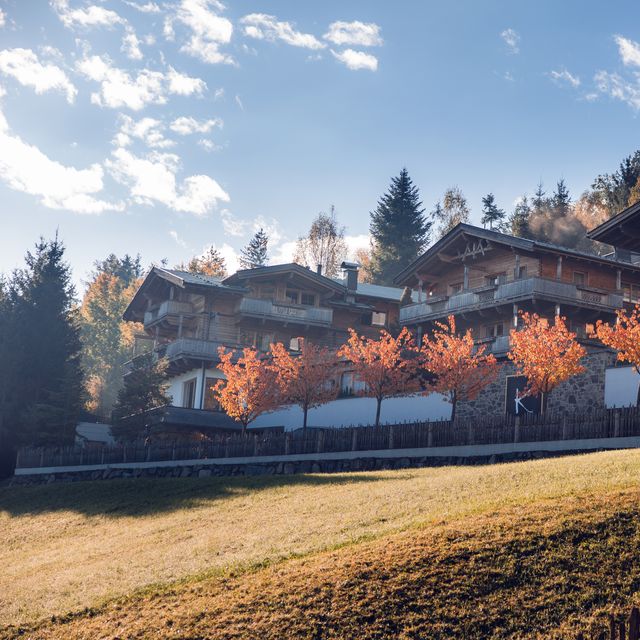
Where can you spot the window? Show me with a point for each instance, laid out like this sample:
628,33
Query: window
455,288
189,393
522,272
496,279
579,277
292,296
294,344
210,401
495,330
308,299
630,292
379,318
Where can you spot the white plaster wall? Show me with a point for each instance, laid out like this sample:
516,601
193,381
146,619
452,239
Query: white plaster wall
621,387
175,385
360,411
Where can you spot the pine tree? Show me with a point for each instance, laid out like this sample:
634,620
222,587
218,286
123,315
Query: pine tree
255,253
539,202
519,220
46,337
561,199
323,246
491,214
453,211
398,229
144,388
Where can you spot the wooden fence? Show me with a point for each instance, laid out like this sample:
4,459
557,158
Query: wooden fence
604,423
620,628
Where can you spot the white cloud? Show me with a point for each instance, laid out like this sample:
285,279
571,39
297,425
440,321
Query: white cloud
356,60
148,130
239,102
508,76
187,125
618,88
232,225
118,89
27,169
208,145
148,7
178,240
511,39
91,16
153,179
24,66
361,34
184,85
218,94
208,30
564,77
362,241
3,19
131,45
284,253
629,51
265,27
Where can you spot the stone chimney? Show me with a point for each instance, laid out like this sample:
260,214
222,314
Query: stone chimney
351,269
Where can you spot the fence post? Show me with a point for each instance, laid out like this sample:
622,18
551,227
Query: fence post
102,455
616,424
430,435
124,453
470,432
354,439
173,451
320,442
390,436
634,624
255,444
147,456
287,443
564,427
516,429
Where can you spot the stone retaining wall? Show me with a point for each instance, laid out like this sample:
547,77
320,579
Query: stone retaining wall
284,467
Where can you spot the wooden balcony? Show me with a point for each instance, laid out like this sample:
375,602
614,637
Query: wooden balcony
511,292
168,309
284,312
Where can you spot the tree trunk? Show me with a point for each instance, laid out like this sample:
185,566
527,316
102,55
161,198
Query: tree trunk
379,405
454,403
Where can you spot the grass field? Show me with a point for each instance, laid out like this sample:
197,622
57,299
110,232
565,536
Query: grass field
502,551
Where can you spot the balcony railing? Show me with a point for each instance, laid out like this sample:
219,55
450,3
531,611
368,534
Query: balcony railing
285,312
191,348
511,292
168,308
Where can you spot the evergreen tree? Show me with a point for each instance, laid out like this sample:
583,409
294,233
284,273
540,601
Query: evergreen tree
561,199
255,253
614,189
398,229
144,388
107,340
539,202
46,389
453,211
324,245
492,215
519,220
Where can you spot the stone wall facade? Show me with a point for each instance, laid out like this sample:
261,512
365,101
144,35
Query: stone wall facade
583,392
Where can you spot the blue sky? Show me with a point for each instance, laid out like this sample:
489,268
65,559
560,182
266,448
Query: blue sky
160,127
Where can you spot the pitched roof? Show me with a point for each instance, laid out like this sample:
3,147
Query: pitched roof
622,230
525,244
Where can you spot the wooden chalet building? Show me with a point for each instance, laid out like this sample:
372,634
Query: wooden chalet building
187,317
484,278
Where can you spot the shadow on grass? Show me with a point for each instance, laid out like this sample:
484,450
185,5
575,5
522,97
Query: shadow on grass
145,496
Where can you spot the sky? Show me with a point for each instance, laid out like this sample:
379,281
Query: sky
160,128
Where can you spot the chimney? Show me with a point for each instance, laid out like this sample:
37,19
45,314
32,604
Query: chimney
352,275
319,268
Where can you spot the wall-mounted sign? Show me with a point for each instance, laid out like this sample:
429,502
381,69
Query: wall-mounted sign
517,402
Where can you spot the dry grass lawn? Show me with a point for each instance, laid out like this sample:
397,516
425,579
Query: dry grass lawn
72,546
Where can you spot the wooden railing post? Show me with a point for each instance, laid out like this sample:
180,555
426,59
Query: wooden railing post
287,443
320,442
564,427
390,443
354,439
430,435
255,445
616,424
516,429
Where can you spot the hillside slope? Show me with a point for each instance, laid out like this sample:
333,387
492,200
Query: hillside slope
501,548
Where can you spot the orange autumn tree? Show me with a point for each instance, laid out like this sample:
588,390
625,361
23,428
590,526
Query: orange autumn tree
385,366
250,388
623,337
546,354
306,378
459,369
